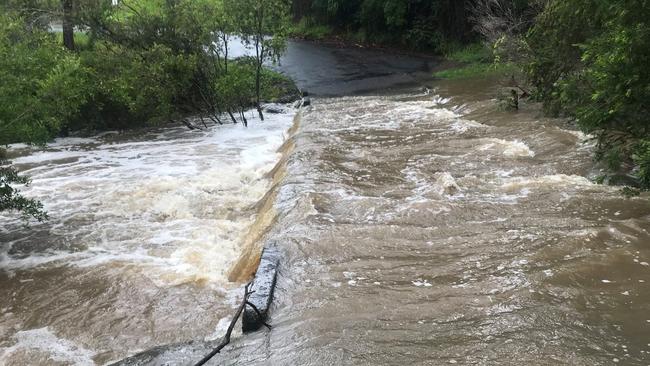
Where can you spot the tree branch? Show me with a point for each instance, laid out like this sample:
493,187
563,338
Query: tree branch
231,327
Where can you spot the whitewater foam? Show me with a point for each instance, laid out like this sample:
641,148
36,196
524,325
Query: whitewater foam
510,149
178,204
46,342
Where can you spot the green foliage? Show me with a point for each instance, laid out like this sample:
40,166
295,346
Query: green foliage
135,87
475,70
424,35
472,53
237,87
641,157
143,62
306,28
474,60
42,85
630,192
262,24
590,61
416,24
10,197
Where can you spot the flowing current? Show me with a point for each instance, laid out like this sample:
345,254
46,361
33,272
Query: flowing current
423,228
427,230
143,232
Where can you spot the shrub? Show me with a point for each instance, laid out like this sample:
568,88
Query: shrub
590,62
42,87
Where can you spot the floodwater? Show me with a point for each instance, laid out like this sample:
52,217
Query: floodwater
144,230
416,227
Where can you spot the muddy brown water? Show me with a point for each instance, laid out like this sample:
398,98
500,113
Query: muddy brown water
433,229
423,228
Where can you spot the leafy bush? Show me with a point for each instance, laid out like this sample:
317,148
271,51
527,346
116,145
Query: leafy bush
135,87
10,197
590,61
307,28
42,85
421,25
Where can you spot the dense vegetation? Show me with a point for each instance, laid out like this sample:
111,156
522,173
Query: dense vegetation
142,62
589,60
586,60
418,24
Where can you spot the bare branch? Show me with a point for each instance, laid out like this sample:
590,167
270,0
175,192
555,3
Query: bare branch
231,327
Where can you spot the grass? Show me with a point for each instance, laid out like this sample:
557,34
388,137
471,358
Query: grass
81,39
307,29
473,53
474,70
475,60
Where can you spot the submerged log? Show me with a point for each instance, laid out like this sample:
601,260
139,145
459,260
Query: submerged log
261,297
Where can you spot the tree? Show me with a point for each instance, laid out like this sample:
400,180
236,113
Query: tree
262,24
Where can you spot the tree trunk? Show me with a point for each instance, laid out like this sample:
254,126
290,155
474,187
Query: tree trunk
258,76
232,117
68,26
259,49
225,46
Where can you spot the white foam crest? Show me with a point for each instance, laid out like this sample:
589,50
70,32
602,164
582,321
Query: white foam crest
510,149
445,184
440,100
73,141
441,183
462,126
178,204
43,340
550,181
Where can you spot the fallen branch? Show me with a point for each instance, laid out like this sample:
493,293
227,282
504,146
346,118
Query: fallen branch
231,327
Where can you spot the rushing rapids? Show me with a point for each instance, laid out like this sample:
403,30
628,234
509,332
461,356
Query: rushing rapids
145,230
415,227
423,230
